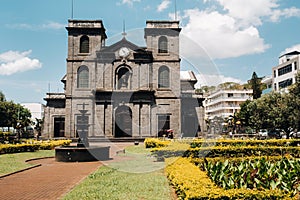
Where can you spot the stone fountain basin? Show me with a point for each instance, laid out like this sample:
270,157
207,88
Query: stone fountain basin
81,154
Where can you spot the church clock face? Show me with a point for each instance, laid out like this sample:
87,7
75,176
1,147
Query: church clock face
124,52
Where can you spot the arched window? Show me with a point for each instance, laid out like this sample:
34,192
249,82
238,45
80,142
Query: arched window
162,45
83,77
123,78
84,44
163,77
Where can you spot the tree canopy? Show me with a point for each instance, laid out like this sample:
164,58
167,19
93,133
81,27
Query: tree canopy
2,96
255,83
274,110
12,114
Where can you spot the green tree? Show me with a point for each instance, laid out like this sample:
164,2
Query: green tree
14,115
295,88
231,86
206,89
271,111
2,96
245,113
293,100
38,125
256,86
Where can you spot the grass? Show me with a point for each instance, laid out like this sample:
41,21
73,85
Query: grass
139,161
16,161
137,178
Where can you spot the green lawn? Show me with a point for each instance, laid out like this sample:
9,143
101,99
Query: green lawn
13,162
139,177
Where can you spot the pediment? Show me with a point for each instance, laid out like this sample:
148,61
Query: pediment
122,43
110,53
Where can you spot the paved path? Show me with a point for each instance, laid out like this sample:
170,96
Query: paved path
51,180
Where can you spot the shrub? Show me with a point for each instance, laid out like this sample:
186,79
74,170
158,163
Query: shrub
54,143
32,145
191,183
257,173
16,148
155,143
248,142
229,151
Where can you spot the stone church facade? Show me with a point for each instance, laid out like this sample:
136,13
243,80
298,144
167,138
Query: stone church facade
123,90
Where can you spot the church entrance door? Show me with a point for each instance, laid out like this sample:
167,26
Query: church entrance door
123,122
59,127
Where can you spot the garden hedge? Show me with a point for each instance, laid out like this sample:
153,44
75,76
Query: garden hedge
155,143
191,183
248,142
31,145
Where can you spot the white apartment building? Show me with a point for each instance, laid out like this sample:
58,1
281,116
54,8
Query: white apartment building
284,73
36,110
268,80
223,103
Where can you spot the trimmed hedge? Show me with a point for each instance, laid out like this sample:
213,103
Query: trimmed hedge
191,183
31,145
248,142
17,148
223,147
156,143
54,143
197,161
230,152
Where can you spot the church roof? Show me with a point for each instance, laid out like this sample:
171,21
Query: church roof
140,54
122,43
64,79
55,96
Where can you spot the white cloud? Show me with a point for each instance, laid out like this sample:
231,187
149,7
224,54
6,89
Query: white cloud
35,27
12,62
214,80
286,13
220,35
233,30
251,12
163,5
128,2
295,47
53,25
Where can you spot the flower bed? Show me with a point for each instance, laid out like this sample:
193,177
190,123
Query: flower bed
32,145
191,183
259,173
155,143
232,169
233,151
224,151
248,142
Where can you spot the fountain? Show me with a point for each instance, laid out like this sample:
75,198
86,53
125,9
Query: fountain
82,152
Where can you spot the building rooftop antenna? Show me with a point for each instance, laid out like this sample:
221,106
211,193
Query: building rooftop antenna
72,9
124,31
175,11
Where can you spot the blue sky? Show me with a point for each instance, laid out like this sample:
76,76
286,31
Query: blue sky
236,36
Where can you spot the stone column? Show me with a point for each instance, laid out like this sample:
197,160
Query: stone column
135,120
145,120
109,122
99,120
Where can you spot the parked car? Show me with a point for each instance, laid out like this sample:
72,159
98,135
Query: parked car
275,133
263,133
295,135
